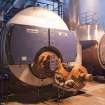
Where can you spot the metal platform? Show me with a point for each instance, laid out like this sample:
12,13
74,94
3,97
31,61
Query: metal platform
92,94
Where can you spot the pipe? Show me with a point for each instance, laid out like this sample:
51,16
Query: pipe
71,13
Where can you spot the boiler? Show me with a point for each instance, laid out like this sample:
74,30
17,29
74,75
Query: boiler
39,50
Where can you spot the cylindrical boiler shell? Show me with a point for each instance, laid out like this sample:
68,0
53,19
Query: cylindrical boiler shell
29,31
92,39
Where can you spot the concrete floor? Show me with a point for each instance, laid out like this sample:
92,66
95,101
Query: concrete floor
94,95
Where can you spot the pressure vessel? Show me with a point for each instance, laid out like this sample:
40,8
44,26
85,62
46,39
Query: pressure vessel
92,38
40,50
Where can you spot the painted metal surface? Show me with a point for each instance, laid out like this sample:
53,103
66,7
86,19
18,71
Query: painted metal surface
25,42
66,43
28,33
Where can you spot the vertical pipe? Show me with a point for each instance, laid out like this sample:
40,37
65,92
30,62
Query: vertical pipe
49,37
71,13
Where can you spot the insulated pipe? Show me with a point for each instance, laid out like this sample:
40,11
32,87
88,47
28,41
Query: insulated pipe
71,13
